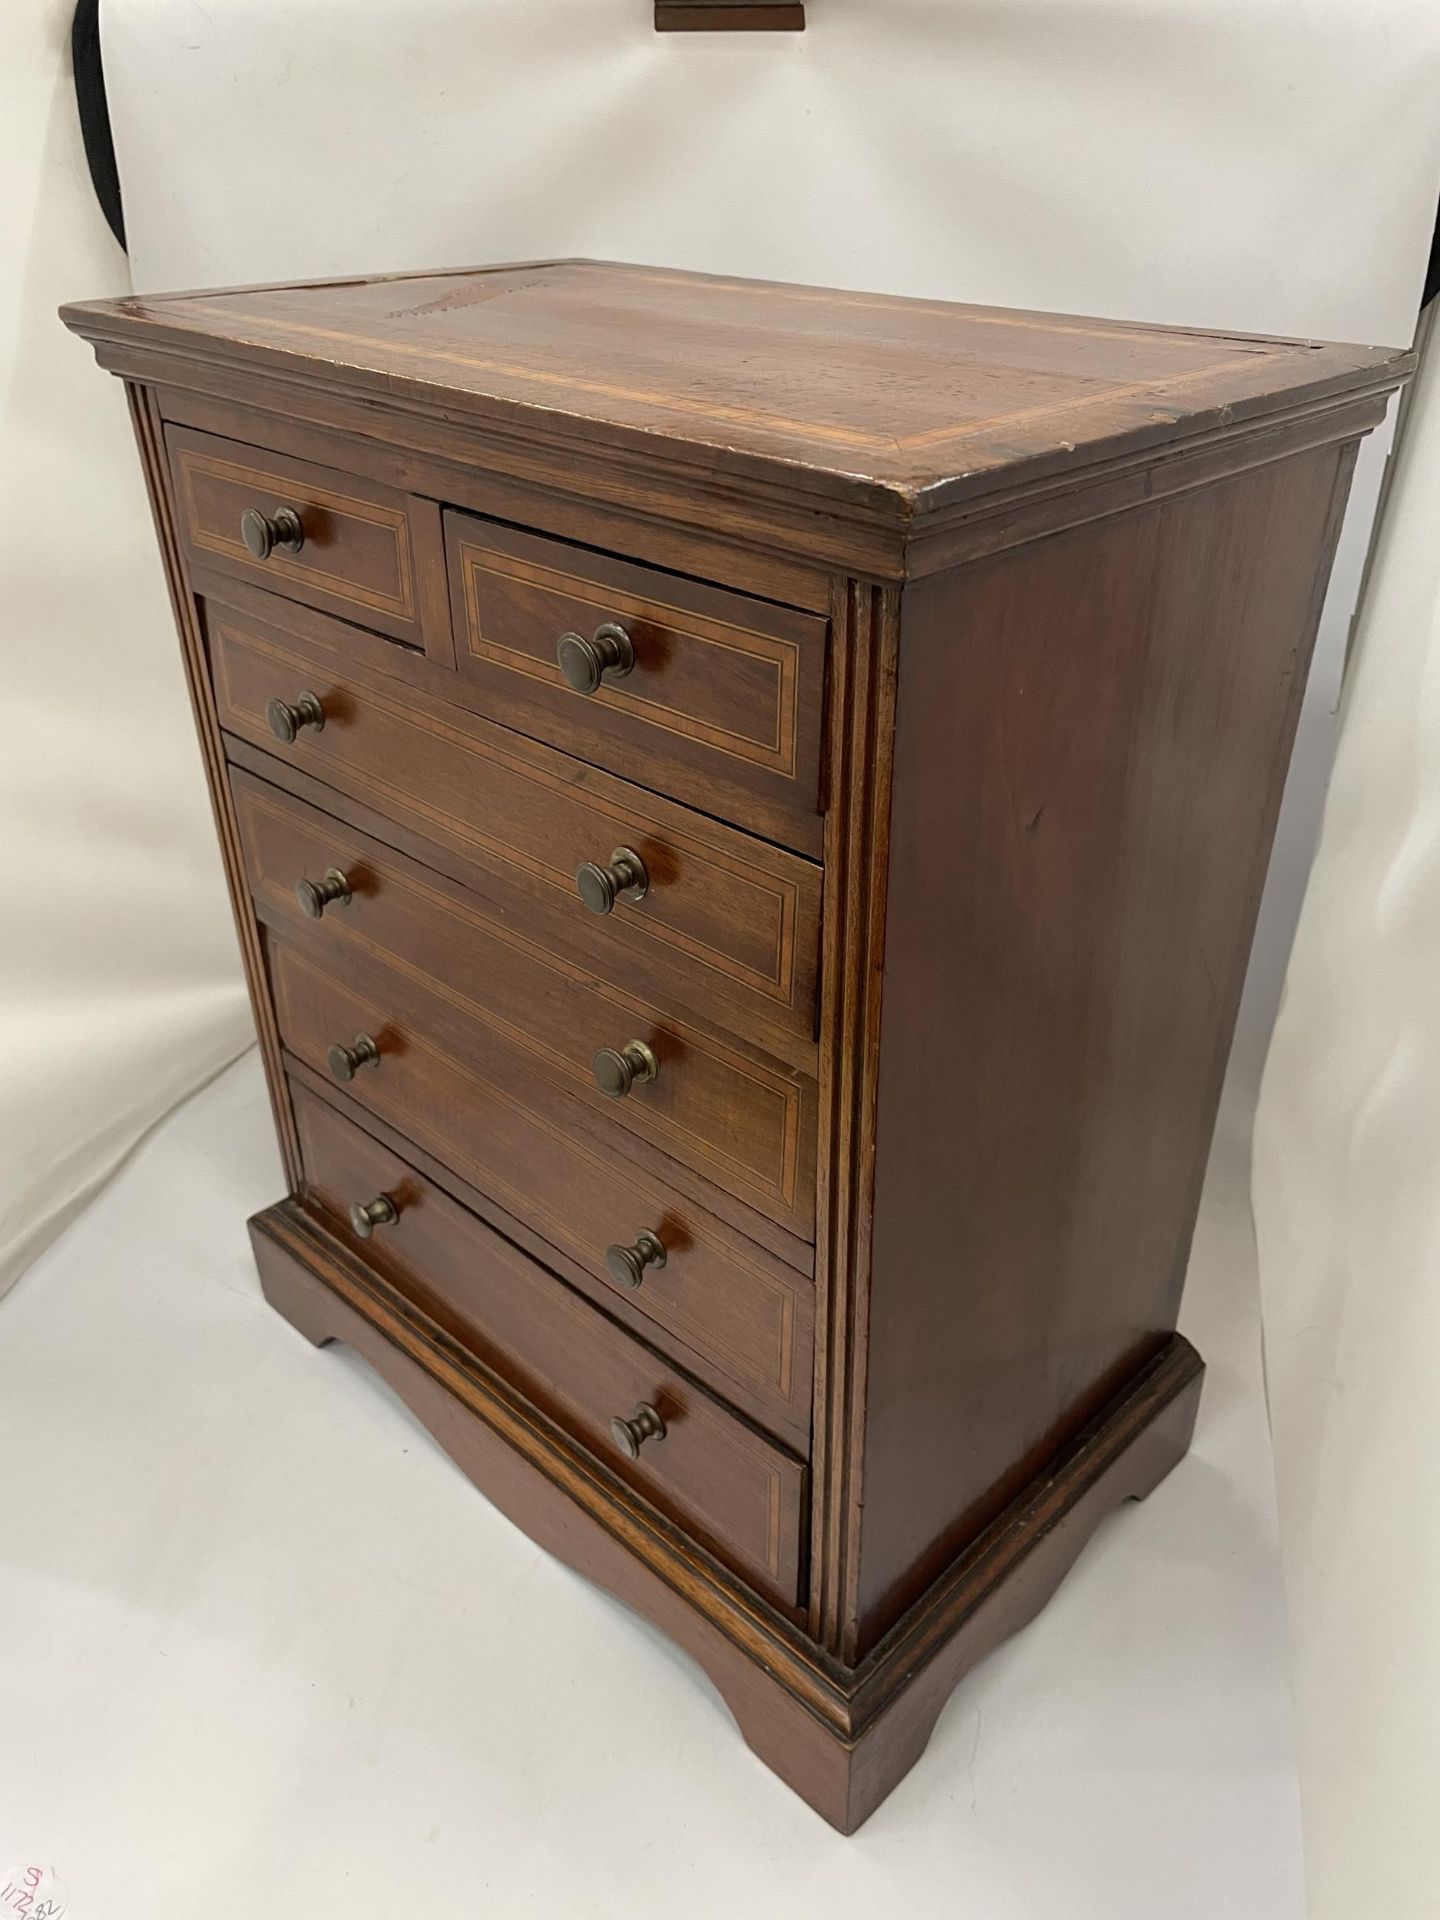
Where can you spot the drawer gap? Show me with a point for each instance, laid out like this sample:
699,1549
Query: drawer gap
628,559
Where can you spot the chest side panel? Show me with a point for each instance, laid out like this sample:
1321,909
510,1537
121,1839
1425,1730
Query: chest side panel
1091,742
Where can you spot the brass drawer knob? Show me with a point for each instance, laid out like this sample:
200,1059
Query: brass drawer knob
624,879
315,895
618,1068
585,663
630,1435
287,717
366,1215
264,532
626,1265
346,1062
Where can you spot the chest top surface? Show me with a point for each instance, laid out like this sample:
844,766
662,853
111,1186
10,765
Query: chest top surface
897,404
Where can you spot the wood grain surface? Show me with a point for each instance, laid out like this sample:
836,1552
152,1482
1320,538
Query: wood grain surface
736,1491
745,1310
526,1016
857,393
841,1738
731,920
722,707
357,558
1085,794
968,650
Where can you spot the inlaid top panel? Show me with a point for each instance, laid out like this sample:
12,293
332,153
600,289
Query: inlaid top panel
855,393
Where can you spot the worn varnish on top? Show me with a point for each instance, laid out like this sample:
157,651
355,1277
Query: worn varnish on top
901,404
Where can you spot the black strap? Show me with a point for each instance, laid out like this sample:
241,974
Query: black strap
95,114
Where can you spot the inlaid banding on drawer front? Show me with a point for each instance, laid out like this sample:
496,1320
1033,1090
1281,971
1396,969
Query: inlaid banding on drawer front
772,664
738,1120
205,520
738,1492
736,920
705,693
773,903
721,1294
356,545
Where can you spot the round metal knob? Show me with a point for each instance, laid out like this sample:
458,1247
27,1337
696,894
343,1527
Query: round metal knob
264,532
585,663
624,879
618,1068
346,1062
626,1265
288,717
315,895
630,1435
366,1215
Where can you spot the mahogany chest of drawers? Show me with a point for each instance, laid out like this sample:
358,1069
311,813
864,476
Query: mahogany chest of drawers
745,808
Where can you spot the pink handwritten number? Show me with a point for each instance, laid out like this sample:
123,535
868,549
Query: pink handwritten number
21,1900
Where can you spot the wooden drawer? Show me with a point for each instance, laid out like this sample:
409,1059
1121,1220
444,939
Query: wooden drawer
720,704
735,1491
536,1020
358,558
749,1314
728,928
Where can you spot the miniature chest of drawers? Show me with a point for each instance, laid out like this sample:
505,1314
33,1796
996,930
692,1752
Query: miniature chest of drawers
745,808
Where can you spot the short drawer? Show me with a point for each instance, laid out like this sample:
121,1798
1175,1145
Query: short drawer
711,696
736,1492
725,926
357,551
746,1313
536,1020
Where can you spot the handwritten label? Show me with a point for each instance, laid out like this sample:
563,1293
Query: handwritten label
32,1893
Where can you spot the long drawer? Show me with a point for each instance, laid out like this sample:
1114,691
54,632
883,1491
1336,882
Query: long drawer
708,695
748,1315
673,906
537,1020
736,1492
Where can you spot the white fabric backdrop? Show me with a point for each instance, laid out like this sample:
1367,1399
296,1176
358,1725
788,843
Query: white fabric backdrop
119,987
1257,164
1347,1206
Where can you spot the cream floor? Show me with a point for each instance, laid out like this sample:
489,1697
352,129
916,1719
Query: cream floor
264,1651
